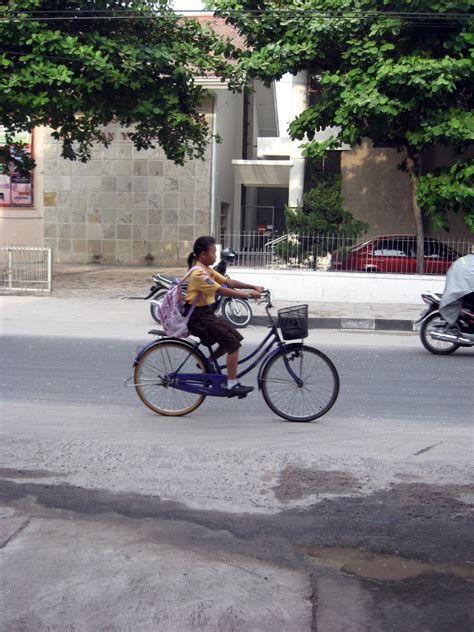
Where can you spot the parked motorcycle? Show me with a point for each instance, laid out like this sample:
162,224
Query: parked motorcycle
432,334
235,310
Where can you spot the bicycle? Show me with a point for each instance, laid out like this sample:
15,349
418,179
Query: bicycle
173,376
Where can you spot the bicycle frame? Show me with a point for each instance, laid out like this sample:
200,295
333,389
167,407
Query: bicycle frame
213,384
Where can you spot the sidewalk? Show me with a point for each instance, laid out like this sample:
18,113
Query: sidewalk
109,293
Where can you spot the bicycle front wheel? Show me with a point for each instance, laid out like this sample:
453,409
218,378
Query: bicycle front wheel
307,394
154,378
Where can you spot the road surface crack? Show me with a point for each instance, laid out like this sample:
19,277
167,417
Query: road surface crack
314,602
430,447
15,532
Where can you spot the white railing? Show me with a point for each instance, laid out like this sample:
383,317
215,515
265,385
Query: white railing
25,269
347,253
271,244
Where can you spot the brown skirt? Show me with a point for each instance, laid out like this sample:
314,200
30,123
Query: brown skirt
212,329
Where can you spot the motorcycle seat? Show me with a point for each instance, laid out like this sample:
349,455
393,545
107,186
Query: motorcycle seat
468,301
167,278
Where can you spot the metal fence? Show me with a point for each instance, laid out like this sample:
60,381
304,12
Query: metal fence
390,254
25,269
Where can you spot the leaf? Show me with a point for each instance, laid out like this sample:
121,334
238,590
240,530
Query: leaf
390,79
114,70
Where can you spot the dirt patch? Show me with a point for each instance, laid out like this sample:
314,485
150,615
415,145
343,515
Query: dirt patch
297,482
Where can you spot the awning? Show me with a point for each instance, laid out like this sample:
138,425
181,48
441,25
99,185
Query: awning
263,173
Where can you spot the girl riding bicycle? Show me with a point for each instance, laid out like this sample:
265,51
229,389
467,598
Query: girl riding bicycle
203,285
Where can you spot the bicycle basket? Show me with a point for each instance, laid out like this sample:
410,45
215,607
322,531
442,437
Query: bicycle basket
293,322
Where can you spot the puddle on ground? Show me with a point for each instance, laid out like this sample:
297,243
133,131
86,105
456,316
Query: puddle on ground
382,567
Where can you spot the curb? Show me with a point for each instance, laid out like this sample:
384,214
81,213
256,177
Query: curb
368,324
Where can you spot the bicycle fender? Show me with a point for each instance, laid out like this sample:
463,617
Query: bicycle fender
185,343
286,347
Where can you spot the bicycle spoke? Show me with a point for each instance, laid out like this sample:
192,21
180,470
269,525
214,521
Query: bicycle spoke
237,312
310,395
152,371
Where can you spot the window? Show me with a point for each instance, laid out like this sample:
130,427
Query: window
437,250
393,248
16,189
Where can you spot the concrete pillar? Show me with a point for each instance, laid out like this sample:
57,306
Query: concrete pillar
236,220
299,93
296,184
299,103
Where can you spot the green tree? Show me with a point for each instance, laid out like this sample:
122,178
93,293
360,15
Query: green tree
448,189
323,211
316,228
399,72
77,65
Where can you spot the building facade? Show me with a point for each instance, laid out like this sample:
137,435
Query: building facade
126,206
131,207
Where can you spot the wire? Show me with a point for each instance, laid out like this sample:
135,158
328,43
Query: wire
151,14
170,11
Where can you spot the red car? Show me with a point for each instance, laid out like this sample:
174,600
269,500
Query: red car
394,253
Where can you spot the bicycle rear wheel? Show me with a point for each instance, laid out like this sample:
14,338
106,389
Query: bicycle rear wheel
153,378
308,398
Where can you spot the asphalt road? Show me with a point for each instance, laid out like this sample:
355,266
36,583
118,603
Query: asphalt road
377,382
231,519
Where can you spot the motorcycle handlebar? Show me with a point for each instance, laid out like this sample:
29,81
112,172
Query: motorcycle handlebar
266,297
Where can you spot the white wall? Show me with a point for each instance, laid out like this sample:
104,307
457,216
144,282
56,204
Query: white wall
340,287
228,112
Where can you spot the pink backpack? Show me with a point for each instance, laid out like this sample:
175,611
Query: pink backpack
170,310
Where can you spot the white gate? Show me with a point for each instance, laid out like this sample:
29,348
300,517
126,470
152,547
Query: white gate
25,269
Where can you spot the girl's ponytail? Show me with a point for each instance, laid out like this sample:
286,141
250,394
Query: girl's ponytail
191,259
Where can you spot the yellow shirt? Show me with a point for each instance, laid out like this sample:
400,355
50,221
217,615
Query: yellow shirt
206,281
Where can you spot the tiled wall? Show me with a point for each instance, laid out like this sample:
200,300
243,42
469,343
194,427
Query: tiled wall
124,206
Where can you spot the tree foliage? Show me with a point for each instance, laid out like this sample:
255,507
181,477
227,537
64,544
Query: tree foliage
323,211
77,65
399,72
447,189
317,227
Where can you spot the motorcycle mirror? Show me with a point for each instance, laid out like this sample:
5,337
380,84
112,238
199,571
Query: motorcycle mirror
228,253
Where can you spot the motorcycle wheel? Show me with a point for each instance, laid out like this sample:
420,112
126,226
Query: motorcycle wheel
438,347
153,311
237,312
